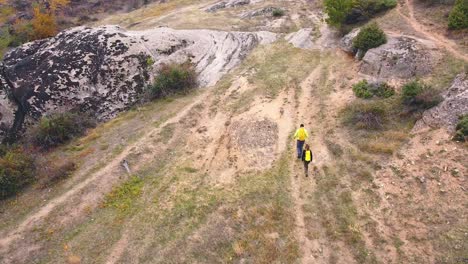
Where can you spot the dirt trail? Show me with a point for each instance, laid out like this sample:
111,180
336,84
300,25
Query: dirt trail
110,168
439,40
306,112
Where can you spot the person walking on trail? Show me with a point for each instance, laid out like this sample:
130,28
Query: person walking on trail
301,135
307,158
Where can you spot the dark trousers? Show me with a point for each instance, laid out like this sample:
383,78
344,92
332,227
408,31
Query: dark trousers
306,167
300,146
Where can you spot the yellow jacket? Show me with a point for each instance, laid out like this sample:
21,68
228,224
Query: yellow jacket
301,134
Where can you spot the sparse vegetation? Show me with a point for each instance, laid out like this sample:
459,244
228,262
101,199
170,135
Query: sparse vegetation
54,170
16,171
458,18
364,115
278,66
365,90
173,79
461,133
277,12
339,214
58,128
418,96
123,196
370,36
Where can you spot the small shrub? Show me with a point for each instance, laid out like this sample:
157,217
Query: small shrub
52,171
369,116
365,90
411,90
370,36
458,18
173,79
59,128
362,89
461,133
384,90
419,96
16,171
277,12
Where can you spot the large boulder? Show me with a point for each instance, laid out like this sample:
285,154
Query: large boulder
401,57
105,69
446,114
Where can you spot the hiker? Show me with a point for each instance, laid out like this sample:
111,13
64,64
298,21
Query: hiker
307,158
300,135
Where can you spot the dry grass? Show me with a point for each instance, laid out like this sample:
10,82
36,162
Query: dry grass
278,65
339,214
152,11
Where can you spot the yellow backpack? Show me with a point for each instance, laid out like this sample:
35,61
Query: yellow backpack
301,134
308,155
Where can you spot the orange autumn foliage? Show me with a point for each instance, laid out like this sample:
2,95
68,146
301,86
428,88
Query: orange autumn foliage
44,23
58,4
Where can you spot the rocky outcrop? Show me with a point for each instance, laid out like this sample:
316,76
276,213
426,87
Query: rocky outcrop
226,4
105,69
265,11
302,39
446,114
346,43
401,57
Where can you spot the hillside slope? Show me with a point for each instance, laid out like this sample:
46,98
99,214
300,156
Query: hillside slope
214,177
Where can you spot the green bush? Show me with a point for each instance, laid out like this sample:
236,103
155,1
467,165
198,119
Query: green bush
365,90
411,90
461,133
362,89
384,90
342,12
337,11
458,18
58,128
370,36
365,115
277,12
372,7
173,79
16,171
419,96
